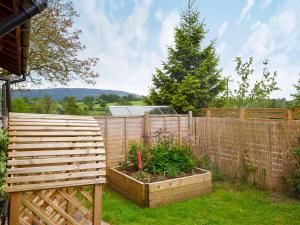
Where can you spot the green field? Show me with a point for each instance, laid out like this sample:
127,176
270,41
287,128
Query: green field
228,204
98,110
134,103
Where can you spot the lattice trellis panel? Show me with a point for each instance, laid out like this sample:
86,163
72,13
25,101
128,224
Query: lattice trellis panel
57,207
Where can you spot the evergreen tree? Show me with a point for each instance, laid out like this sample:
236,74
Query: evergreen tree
190,79
296,96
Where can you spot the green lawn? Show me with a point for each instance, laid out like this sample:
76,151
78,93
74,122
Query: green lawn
228,204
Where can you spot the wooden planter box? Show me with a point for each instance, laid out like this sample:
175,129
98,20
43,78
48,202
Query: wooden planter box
161,192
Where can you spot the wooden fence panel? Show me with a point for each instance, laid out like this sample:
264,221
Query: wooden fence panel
257,150
252,113
119,131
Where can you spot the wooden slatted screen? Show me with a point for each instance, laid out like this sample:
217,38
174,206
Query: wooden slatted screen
54,151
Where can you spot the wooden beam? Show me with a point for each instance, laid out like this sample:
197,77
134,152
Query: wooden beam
15,205
97,204
19,52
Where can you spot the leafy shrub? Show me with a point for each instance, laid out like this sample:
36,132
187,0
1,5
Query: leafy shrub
132,155
3,157
295,172
162,155
172,160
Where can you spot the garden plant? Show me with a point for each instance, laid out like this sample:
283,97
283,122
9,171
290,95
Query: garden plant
161,157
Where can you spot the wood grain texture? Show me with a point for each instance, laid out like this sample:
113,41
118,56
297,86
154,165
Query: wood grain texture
161,192
59,206
53,151
260,150
120,131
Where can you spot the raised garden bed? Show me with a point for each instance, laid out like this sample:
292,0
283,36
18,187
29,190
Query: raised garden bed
152,194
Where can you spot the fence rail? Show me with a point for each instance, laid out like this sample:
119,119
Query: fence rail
253,114
118,131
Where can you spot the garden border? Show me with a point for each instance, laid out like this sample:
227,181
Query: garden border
161,192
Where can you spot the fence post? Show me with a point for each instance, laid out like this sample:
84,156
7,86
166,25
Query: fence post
97,204
290,114
208,113
15,204
190,118
125,136
242,114
242,146
146,125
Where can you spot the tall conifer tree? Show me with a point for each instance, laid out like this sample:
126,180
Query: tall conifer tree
190,78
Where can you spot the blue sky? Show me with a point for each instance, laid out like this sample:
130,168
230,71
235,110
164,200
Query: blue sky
130,37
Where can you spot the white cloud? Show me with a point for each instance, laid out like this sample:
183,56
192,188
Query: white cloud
221,47
277,40
159,15
222,29
279,33
167,31
125,62
246,9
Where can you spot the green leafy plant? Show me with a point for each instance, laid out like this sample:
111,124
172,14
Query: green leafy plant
295,172
3,158
132,155
161,155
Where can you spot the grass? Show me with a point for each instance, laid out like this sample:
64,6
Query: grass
133,103
98,110
227,204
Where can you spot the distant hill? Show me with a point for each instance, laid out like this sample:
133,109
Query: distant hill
60,93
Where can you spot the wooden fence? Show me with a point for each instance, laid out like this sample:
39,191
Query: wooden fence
250,143
118,131
253,114
258,150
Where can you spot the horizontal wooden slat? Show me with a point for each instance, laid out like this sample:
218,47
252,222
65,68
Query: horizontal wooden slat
46,148
41,169
50,128
60,176
49,116
58,145
70,124
55,152
54,133
264,110
54,139
60,184
19,119
21,162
